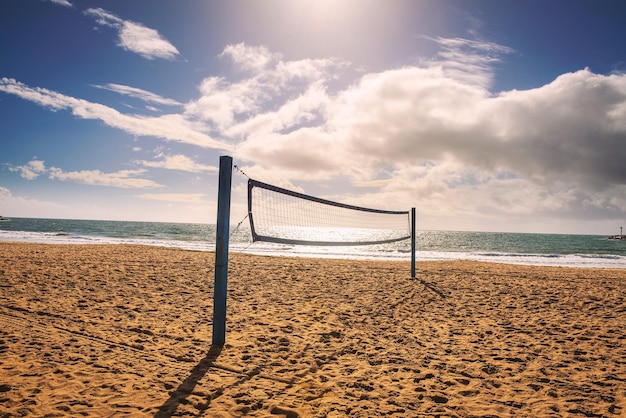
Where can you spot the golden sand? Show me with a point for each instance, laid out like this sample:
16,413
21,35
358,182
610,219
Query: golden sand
126,330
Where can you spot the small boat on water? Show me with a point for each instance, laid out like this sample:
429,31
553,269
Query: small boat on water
617,237
620,237
2,218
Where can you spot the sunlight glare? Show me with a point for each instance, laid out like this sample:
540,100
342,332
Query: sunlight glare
352,29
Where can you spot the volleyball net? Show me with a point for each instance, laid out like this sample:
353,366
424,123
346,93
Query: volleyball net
287,217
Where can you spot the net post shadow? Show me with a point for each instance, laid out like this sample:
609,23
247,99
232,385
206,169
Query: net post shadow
188,385
432,288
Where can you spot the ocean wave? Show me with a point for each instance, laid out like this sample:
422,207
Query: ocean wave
601,256
520,255
398,253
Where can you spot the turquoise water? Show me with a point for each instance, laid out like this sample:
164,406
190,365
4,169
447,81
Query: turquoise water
534,249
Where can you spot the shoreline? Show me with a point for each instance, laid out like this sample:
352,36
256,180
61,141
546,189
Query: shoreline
540,260
112,329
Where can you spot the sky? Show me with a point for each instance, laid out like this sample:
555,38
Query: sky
483,115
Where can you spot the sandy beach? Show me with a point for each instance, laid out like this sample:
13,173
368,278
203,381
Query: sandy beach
116,330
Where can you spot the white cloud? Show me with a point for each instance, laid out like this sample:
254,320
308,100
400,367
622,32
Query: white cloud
31,170
65,3
306,154
137,93
146,42
305,109
467,60
5,193
194,198
248,58
173,127
104,18
25,207
220,102
270,84
178,162
135,37
125,179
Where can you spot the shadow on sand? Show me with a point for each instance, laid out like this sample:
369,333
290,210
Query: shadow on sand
187,386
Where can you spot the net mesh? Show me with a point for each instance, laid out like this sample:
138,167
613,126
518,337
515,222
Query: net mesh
283,216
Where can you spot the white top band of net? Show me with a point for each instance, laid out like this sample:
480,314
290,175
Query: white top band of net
283,216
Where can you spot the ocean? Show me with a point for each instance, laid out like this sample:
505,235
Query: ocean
511,248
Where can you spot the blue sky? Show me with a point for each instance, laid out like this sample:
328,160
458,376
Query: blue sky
484,115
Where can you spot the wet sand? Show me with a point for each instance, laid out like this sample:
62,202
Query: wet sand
114,330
